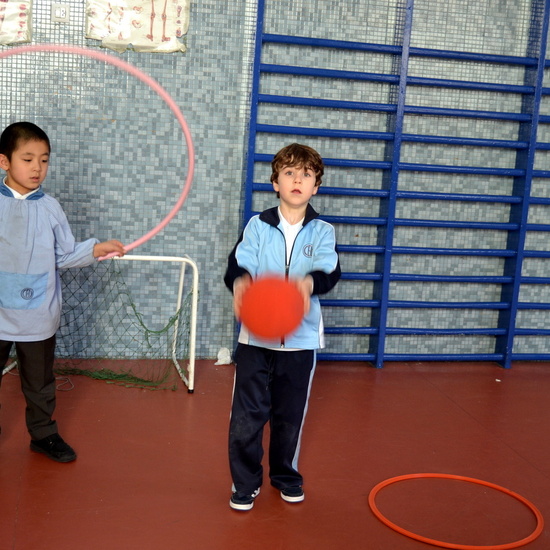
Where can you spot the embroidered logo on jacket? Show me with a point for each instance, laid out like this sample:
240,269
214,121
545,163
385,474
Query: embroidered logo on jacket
308,250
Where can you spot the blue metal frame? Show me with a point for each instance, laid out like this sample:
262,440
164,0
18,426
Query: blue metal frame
252,127
531,91
522,187
389,205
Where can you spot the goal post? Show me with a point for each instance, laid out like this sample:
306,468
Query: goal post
184,261
104,335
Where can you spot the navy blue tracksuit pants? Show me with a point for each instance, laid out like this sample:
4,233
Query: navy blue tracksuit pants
270,386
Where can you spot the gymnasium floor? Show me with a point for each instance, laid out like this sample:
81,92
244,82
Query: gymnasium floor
152,470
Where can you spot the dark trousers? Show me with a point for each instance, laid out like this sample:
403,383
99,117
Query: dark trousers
270,386
35,362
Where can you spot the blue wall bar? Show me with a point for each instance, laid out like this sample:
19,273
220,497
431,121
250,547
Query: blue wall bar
385,249
522,184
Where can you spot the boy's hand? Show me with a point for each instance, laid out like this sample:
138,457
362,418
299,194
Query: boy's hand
305,286
239,287
108,247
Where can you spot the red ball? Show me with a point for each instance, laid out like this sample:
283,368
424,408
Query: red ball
272,307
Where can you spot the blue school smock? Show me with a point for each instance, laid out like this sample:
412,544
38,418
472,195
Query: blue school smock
35,241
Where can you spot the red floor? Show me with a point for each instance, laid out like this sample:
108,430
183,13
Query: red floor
152,469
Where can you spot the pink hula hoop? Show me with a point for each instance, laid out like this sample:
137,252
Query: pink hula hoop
156,87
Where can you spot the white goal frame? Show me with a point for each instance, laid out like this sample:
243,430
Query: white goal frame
184,261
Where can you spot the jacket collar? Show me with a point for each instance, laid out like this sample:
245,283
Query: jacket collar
271,215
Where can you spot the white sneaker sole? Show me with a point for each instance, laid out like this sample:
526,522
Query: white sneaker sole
245,507
292,499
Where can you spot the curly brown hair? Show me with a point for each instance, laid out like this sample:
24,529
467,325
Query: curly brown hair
300,156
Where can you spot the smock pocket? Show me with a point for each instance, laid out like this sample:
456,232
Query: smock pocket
19,291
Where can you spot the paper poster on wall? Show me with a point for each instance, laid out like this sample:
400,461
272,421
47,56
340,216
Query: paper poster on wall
15,21
141,25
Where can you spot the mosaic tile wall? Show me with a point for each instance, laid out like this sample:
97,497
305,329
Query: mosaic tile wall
488,27
119,160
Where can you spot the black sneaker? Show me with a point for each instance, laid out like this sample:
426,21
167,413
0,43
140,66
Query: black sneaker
54,447
293,494
240,501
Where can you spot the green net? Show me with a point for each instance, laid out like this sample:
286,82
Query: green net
103,334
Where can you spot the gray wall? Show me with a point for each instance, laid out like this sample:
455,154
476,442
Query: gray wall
119,158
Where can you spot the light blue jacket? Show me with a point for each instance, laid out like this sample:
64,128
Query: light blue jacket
261,250
35,241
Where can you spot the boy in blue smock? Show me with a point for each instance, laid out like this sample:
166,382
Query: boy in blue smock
273,378
35,241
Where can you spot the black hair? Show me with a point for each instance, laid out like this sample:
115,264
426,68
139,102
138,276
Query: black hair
19,132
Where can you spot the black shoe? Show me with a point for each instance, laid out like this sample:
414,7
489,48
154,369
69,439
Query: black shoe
54,447
293,494
240,501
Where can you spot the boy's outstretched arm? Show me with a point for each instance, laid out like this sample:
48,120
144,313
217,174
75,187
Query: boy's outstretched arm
108,247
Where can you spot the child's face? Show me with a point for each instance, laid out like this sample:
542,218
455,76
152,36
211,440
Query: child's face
295,185
28,166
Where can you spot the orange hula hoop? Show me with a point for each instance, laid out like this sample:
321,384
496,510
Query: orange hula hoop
538,529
